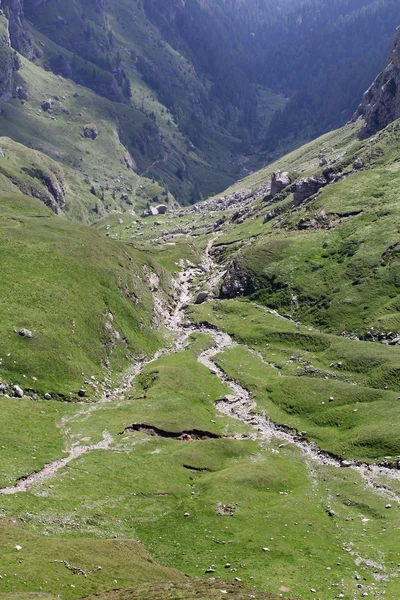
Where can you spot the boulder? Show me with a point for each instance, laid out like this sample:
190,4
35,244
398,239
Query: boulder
358,164
26,333
201,297
90,131
307,187
47,104
162,209
278,182
3,388
18,392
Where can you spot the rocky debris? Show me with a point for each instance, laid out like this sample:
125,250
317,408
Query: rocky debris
225,509
279,182
90,131
18,392
323,221
389,338
380,104
183,436
161,209
26,333
150,212
47,104
236,282
271,214
201,297
305,188
358,163
77,570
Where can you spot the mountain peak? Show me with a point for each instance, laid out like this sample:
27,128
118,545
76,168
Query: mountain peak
381,102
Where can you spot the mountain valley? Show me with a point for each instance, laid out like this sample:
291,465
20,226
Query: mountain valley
199,399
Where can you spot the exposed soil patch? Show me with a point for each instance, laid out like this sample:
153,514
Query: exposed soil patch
183,436
390,250
196,469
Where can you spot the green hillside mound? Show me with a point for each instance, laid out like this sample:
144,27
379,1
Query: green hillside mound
201,590
82,297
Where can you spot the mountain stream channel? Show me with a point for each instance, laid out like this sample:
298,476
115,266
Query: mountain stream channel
238,405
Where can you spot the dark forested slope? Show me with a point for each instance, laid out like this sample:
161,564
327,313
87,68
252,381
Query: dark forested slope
211,82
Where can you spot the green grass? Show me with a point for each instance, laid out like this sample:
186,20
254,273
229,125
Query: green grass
297,373
61,280
39,568
201,589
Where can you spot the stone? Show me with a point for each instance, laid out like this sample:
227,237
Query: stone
186,514
358,164
47,396
26,333
90,131
82,393
278,182
18,392
162,209
47,104
201,297
3,388
305,188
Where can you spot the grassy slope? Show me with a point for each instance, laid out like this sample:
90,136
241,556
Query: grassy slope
61,137
60,280
142,487
324,275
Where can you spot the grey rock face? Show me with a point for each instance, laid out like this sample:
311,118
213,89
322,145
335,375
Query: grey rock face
308,187
18,392
278,182
381,102
26,333
47,104
8,65
201,297
236,282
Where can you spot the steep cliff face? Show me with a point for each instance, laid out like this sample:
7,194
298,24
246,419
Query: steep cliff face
381,102
8,62
20,41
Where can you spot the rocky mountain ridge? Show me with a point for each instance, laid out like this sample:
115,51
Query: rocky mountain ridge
381,102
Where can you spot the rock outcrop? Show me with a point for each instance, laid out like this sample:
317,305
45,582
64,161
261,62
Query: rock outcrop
236,282
381,102
278,182
9,63
307,187
20,40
